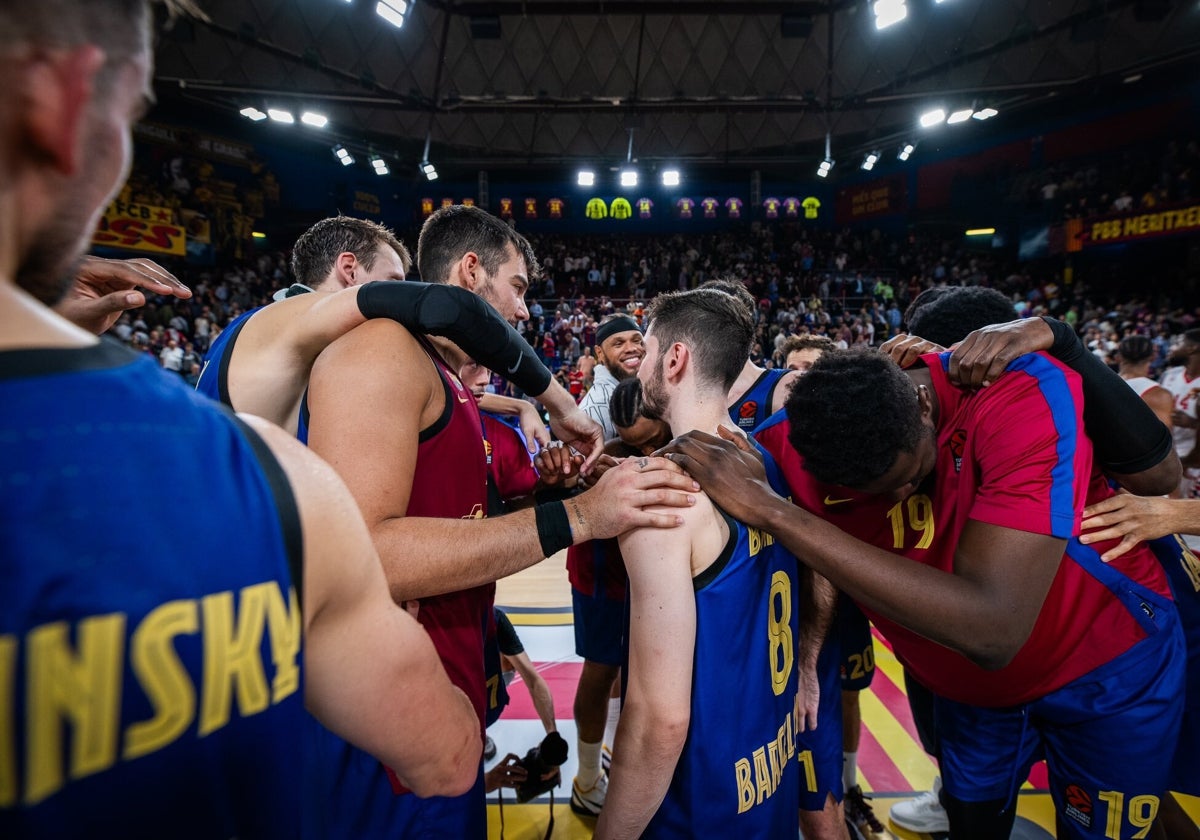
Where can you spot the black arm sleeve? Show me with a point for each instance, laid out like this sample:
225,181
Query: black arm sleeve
1128,437
464,318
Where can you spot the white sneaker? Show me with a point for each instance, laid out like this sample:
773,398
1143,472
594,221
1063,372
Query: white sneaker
924,813
587,802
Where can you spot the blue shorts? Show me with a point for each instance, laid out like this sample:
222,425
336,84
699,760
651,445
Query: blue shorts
1106,739
444,817
1183,572
599,628
858,646
824,743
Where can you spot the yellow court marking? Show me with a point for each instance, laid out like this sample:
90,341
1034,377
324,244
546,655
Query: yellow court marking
918,768
531,619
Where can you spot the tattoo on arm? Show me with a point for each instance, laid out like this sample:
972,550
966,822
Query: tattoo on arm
578,513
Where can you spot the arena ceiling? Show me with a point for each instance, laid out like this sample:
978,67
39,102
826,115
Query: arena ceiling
548,81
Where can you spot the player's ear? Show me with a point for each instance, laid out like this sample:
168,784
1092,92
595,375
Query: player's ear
468,271
925,401
346,267
55,89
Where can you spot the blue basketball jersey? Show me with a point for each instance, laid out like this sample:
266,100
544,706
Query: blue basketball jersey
214,376
738,775
150,666
754,406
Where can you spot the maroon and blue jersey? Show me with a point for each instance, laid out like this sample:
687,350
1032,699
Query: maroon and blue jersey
1014,455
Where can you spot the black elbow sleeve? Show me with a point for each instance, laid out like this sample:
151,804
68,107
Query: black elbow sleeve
1127,436
464,318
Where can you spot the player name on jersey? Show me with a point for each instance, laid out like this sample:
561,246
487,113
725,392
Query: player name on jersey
758,775
74,675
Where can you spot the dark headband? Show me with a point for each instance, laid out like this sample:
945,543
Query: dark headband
619,324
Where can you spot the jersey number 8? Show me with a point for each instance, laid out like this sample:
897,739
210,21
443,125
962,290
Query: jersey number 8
779,630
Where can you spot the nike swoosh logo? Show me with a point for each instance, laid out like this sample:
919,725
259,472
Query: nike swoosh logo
830,501
516,365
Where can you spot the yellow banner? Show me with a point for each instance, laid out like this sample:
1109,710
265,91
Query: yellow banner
140,227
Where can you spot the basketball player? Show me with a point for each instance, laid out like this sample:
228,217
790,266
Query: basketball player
758,392
1015,634
714,598
149,691
598,586
1134,355
391,416
619,352
823,737
261,361
800,352
1180,380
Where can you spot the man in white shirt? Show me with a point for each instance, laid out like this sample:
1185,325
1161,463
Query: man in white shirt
619,351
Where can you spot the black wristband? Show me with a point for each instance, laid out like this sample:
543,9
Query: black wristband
554,494
553,527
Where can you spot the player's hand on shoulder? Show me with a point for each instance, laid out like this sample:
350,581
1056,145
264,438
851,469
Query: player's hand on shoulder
980,358
620,500
727,467
905,349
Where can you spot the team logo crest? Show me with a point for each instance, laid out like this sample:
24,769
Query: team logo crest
958,442
1078,805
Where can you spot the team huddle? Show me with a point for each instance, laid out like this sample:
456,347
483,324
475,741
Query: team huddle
307,657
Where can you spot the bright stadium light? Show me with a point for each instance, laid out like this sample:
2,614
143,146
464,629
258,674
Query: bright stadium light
959,116
906,151
985,113
430,170
314,119
870,160
585,178
381,167
280,115
889,12
670,178
629,178
392,11
250,112
824,167
344,156
981,231
931,118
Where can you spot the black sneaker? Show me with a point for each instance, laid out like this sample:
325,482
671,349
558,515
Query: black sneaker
860,813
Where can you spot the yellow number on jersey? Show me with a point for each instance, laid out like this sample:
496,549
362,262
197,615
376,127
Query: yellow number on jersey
920,518
779,629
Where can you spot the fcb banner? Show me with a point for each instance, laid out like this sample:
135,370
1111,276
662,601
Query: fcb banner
140,227
883,197
1129,227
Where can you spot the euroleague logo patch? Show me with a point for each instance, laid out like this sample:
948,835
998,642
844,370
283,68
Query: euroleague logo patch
746,413
958,442
1078,805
